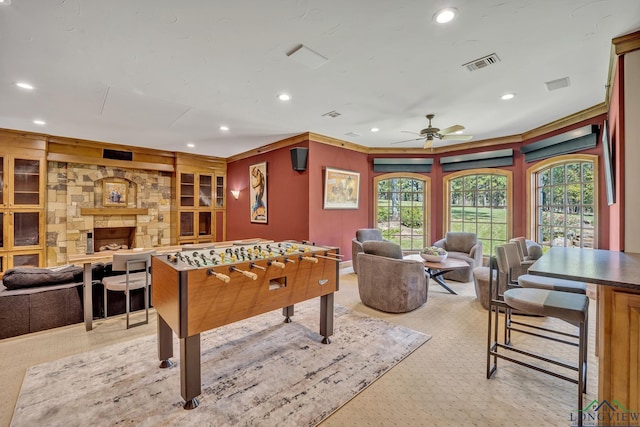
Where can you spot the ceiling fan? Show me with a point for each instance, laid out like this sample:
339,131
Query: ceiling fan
429,133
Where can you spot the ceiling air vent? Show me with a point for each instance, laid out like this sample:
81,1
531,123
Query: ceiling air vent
557,84
333,113
483,62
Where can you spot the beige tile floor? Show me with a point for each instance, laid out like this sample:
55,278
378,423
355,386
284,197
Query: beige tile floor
443,383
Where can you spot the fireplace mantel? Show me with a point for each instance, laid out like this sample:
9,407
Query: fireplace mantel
113,211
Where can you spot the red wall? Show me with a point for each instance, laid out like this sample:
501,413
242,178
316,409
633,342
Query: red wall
295,199
336,227
287,198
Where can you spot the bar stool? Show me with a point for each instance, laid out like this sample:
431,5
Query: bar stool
570,307
135,266
514,260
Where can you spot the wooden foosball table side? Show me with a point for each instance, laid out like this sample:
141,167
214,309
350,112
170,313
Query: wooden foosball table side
192,300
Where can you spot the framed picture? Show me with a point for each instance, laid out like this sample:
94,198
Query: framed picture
114,193
341,189
258,192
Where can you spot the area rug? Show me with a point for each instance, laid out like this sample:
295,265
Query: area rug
257,372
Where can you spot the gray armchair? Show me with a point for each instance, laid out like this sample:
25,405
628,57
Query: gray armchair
464,246
387,282
363,235
528,252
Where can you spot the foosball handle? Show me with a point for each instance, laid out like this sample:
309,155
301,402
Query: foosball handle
250,275
277,264
223,277
309,258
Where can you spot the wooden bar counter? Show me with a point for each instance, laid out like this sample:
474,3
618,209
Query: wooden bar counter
617,275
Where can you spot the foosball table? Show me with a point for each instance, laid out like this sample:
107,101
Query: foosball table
196,290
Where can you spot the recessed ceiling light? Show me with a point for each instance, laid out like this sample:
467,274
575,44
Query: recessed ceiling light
507,96
24,85
190,144
374,129
5,2
224,128
40,122
284,97
445,15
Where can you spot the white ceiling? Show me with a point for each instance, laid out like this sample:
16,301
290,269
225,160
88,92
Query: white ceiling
160,73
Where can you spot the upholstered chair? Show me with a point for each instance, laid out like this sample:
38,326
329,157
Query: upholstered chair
464,246
387,282
528,252
362,235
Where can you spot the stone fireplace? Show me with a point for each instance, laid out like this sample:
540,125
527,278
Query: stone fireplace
76,207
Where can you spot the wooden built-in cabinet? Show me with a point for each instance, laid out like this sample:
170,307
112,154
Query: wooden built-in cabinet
200,198
22,190
619,346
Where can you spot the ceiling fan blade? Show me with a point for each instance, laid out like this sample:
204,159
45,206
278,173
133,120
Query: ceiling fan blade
455,128
407,140
408,131
456,137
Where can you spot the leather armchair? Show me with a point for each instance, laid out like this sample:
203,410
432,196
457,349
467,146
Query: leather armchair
362,235
464,246
387,282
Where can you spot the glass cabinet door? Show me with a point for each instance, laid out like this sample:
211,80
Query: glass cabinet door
205,190
2,181
26,182
187,224
219,191
187,189
2,244
204,223
26,229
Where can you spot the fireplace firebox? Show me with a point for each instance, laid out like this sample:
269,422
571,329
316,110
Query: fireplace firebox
113,237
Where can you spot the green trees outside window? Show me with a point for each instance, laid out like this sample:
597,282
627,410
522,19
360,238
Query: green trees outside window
479,202
401,209
565,202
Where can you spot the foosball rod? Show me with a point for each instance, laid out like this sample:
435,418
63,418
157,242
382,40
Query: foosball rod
327,257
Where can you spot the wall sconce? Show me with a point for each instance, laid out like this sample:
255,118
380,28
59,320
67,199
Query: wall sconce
235,194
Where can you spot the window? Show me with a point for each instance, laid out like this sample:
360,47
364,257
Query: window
479,201
401,209
564,210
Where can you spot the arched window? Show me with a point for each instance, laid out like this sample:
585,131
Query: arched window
401,209
479,201
563,199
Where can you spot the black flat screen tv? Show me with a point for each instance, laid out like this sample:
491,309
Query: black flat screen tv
608,156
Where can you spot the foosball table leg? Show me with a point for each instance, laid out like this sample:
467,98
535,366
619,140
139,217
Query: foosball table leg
287,312
326,317
190,370
165,343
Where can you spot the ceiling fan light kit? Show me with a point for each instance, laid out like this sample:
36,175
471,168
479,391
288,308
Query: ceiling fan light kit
452,133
